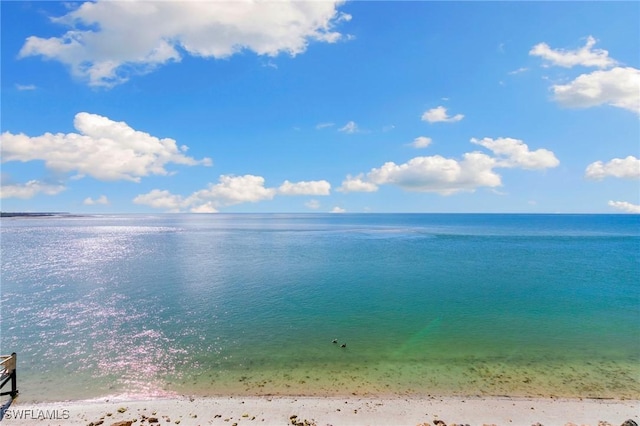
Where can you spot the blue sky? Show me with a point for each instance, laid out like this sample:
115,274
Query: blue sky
194,106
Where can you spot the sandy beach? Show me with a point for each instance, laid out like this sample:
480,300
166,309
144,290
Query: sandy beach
327,411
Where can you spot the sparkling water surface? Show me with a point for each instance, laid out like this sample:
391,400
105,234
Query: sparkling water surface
139,306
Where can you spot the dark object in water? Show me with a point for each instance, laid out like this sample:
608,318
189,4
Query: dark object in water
344,345
334,341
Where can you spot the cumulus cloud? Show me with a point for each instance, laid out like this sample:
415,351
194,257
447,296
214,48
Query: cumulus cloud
447,176
204,208
515,153
230,190
439,114
625,206
100,200
233,190
107,41
318,187
618,87
357,184
585,56
312,204
438,174
350,127
628,168
104,149
337,209
160,200
421,142
29,189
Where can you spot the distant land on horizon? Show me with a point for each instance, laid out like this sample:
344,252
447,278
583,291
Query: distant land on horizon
33,214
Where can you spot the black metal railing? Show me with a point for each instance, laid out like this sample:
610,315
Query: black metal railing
8,374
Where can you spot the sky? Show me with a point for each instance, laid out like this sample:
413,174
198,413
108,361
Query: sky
320,106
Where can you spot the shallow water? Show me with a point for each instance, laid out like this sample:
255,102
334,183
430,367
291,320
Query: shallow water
531,305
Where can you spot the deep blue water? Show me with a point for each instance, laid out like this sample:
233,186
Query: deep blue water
249,304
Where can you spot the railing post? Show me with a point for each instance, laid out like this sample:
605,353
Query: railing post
14,376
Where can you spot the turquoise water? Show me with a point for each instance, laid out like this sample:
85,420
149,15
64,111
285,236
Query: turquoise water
532,305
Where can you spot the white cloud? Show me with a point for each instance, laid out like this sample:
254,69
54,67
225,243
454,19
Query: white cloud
628,168
498,192
447,175
107,41
100,200
29,189
233,190
438,174
357,184
439,114
350,127
324,125
104,149
317,187
312,204
204,208
230,190
421,142
268,64
160,200
22,87
337,209
619,87
585,56
518,71
625,206
515,153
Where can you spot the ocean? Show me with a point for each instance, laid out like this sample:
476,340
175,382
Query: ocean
250,304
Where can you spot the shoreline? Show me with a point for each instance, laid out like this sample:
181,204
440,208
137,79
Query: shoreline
599,380
279,410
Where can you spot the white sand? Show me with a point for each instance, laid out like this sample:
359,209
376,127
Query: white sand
329,411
